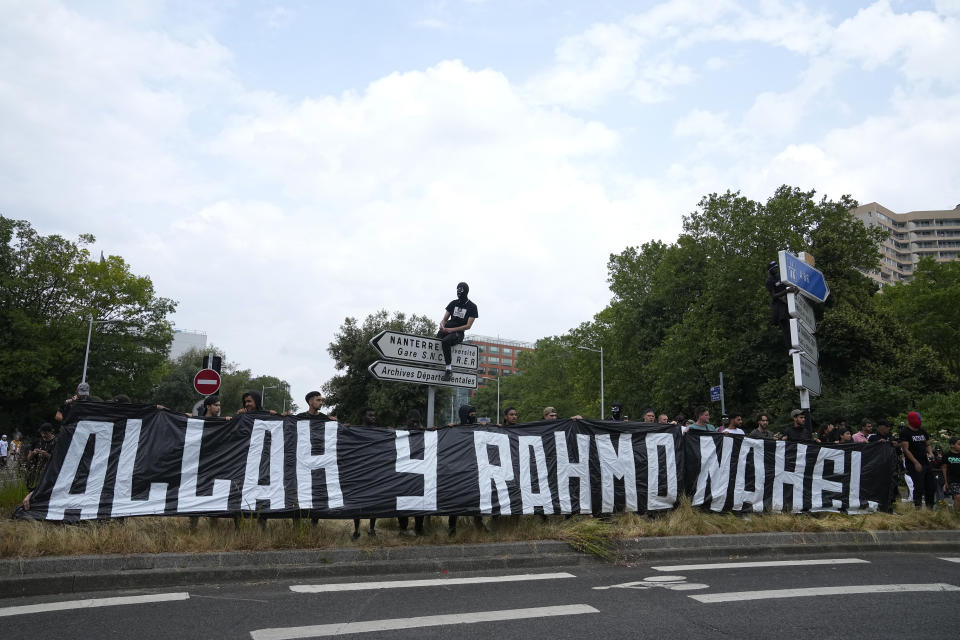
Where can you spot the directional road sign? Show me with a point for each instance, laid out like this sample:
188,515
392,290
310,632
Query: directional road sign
802,339
407,347
799,308
805,374
206,381
420,375
808,280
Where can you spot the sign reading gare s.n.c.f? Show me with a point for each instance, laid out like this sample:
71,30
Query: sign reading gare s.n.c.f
405,347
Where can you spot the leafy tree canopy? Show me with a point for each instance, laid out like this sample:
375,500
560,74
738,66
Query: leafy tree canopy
175,389
682,313
49,288
929,306
355,389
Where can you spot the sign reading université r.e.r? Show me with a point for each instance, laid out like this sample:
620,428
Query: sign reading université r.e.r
406,347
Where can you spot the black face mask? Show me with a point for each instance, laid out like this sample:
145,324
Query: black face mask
462,291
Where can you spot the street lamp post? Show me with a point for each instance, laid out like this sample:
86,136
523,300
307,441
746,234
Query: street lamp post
86,354
263,394
498,392
603,410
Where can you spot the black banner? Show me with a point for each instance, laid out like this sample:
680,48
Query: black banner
127,460
725,472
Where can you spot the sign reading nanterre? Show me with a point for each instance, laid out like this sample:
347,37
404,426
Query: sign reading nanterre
407,347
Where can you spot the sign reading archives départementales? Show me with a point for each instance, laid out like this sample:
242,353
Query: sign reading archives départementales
406,347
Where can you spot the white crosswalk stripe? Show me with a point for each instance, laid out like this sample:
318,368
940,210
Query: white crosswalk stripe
433,582
342,628
90,603
758,564
745,596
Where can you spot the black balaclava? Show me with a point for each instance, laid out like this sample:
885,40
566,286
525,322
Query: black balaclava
462,290
465,417
616,410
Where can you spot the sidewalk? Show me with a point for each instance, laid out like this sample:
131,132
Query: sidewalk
66,574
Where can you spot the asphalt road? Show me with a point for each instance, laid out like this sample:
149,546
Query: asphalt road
870,595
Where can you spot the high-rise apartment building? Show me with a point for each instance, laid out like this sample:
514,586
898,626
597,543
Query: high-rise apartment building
498,356
913,235
186,339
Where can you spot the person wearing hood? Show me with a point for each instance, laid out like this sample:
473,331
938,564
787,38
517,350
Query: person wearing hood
457,318
468,415
915,442
253,404
778,290
468,418
616,412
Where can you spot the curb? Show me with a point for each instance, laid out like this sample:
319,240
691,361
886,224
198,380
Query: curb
785,544
68,574
71,574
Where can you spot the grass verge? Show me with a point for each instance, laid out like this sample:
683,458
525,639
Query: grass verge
20,539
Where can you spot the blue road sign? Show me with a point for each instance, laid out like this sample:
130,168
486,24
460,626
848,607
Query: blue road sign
808,280
715,394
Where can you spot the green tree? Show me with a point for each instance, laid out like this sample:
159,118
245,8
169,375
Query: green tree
929,306
354,389
682,313
175,389
49,288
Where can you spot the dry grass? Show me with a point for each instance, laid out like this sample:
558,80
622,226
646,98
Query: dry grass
172,534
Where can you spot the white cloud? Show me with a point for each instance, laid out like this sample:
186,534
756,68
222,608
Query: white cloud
278,17
271,217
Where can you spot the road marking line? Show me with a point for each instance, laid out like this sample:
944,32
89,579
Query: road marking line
742,596
750,565
951,559
320,630
433,582
91,603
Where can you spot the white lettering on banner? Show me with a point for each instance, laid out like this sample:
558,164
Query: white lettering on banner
123,503
654,500
820,484
793,478
853,497
740,494
426,468
307,462
528,497
617,465
567,470
252,489
89,501
187,498
499,475
717,473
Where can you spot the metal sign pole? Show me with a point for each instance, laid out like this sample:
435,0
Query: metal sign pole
723,406
805,399
431,397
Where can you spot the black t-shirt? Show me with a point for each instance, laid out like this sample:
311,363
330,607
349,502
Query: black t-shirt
798,434
952,460
459,312
778,304
307,414
917,443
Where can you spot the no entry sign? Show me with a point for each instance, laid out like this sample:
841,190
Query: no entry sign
206,381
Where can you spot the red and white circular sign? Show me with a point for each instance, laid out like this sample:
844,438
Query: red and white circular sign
206,381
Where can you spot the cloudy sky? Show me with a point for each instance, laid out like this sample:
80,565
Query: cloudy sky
278,166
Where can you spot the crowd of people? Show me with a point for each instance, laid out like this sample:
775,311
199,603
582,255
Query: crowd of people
930,472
